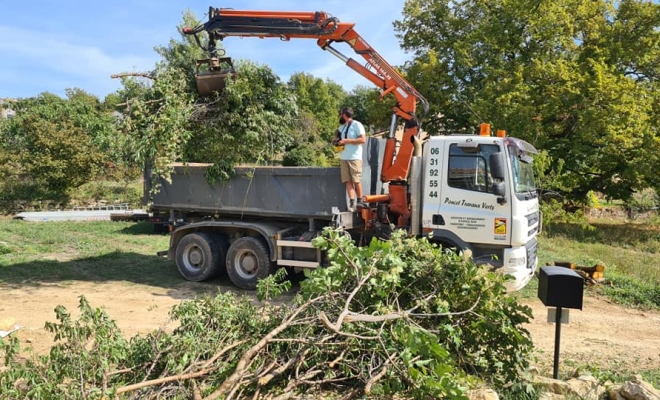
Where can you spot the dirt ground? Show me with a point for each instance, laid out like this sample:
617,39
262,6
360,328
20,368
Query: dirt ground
603,334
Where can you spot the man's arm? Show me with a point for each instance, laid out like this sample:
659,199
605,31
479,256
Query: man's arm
362,137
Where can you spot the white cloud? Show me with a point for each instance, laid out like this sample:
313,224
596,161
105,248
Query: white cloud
51,57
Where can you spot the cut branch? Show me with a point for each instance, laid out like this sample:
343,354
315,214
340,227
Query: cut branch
244,362
347,316
263,381
379,375
374,379
159,381
147,75
180,377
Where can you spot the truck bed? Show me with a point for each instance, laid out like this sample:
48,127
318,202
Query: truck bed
287,192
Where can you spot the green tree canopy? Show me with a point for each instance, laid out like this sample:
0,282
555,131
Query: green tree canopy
319,103
251,121
369,108
52,145
320,98
576,78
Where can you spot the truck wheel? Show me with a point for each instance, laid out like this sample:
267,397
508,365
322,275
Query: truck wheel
198,257
248,261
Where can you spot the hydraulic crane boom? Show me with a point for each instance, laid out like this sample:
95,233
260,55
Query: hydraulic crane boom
326,30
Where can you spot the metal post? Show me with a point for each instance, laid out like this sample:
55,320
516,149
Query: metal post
555,372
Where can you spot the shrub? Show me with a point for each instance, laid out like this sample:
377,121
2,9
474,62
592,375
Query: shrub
642,201
300,156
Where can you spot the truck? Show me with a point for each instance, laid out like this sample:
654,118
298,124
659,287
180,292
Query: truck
473,193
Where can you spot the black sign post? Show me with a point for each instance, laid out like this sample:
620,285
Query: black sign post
560,287
555,369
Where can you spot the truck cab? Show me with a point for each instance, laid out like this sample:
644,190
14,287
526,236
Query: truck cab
479,196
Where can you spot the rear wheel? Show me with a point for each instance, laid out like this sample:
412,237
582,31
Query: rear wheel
198,257
248,260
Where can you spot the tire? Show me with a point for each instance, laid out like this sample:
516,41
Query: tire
198,257
248,261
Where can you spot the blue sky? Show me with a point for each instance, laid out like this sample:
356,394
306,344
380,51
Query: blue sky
47,46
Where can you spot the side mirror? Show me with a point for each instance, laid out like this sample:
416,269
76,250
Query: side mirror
497,166
499,188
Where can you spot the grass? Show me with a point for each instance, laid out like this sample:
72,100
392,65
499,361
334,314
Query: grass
652,377
37,252
630,253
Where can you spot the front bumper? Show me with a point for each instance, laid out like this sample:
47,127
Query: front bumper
521,273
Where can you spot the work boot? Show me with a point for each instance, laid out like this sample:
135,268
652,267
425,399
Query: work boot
361,205
351,205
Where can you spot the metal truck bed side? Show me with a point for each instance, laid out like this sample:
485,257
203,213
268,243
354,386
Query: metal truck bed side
286,192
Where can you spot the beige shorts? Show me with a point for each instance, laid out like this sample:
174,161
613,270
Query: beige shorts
351,170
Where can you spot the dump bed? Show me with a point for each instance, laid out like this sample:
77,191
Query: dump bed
286,192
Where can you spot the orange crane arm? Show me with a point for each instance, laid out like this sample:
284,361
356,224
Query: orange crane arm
326,29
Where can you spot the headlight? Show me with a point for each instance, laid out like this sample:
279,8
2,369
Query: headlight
515,262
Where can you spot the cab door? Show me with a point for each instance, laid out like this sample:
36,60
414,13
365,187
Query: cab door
472,203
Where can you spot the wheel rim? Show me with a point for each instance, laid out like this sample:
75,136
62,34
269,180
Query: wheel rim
193,258
246,263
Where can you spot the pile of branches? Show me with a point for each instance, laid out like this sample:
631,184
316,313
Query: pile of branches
401,316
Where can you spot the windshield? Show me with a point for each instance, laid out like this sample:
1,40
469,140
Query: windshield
523,173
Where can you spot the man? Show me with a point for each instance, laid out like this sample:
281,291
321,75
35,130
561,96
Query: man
350,158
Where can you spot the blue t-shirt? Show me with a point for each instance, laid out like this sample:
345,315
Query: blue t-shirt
352,151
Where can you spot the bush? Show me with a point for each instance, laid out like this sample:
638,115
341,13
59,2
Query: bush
559,212
642,201
300,156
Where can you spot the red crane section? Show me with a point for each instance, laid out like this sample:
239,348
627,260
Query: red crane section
326,30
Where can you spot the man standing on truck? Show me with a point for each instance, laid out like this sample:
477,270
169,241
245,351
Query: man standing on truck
350,158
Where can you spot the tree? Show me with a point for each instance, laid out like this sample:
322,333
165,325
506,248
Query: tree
48,148
320,99
155,113
319,103
575,78
100,120
369,108
182,52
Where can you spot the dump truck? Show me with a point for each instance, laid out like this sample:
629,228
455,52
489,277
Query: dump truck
475,193
468,192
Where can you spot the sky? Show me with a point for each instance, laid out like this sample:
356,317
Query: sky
48,46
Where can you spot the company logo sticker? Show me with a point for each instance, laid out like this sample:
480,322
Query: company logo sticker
500,226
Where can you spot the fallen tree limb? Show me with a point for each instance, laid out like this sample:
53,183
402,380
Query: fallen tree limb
180,377
348,316
263,381
243,363
109,374
130,388
374,379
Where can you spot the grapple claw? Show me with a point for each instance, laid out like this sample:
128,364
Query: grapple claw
214,78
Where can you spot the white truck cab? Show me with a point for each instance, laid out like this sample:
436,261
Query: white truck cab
479,195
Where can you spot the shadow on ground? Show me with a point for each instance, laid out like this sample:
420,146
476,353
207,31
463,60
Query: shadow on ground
114,267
